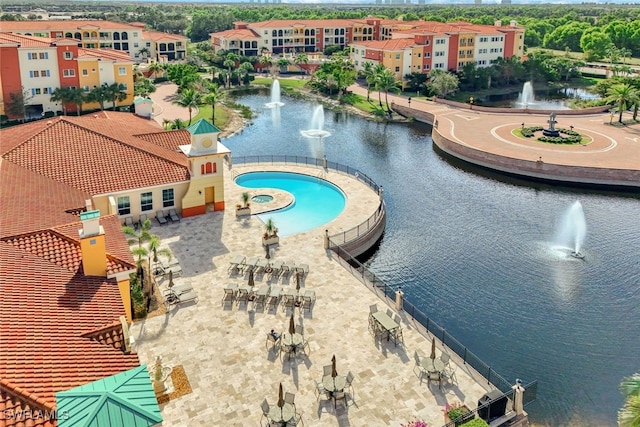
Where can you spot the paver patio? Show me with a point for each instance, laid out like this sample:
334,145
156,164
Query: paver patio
223,349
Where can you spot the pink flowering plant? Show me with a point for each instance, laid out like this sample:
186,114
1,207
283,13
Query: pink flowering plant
415,423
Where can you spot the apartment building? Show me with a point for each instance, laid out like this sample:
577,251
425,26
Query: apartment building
130,38
403,47
31,68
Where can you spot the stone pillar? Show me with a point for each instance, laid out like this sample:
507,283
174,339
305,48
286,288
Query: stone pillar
399,298
324,162
380,192
326,239
518,397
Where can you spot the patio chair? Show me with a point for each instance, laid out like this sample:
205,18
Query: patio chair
327,369
287,268
265,411
161,218
128,221
288,301
142,219
445,358
308,300
319,390
229,296
261,295
235,263
286,349
299,329
421,370
289,398
250,263
396,336
350,378
389,313
373,308
434,376
295,421
303,269
274,342
174,215
175,268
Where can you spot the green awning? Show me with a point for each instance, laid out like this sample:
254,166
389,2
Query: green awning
125,399
201,127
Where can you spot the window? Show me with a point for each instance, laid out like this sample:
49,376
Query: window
34,73
439,65
44,55
148,44
85,72
167,198
69,73
36,91
146,201
47,90
427,54
136,45
397,56
68,55
397,69
86,88
441,53
124,205
122,71
426,66
439,41
208,168
135,34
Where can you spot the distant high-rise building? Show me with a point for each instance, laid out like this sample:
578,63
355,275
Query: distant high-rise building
477,1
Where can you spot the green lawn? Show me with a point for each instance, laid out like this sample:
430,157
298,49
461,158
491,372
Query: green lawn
205,113
371,106
580,55
284,83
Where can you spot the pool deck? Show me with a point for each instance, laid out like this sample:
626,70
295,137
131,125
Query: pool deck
223,351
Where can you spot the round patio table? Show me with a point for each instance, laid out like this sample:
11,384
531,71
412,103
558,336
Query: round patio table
294,341
435,365
332,384
281,415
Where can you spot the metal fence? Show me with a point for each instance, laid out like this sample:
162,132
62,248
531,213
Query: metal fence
370,279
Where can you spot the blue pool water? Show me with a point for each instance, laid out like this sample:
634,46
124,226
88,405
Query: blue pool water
316,202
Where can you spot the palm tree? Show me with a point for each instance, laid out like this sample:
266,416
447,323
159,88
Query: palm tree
387,81
190,99
139,237
369,76
116,92
177,124
215,94
377,70
62,94
266,60
144,52
623,95
155,68
301,58
629,415
77,96
99,94
230,61
245,68
282,63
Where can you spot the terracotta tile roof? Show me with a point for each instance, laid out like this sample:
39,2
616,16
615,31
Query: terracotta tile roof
109,54
46,311
15,404
111,154
170,140
158,36
242,34
393,44
22,212
62,25
309,23
61,246
24,41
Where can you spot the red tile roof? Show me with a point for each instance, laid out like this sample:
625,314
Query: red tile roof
109,54
393,44
171,140
158,36
111,155
62,25
242,34
22,212
47,310
24,41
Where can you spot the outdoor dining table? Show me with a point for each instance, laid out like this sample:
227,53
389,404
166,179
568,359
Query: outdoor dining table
432,365
334,384
295,341
281,415
387,323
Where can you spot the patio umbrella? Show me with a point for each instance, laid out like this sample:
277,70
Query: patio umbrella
298,281
280,397
170,279
251,281
292,327
334,373
433,349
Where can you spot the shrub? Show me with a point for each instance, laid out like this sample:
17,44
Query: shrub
415,423
476,422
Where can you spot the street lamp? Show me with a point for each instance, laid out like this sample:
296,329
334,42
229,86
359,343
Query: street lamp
610,117
409,101
471,102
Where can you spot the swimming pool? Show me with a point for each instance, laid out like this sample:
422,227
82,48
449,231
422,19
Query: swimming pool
316,202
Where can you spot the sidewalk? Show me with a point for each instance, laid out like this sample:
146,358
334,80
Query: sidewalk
164,108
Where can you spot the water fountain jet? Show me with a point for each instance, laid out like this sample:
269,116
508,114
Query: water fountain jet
275,95
317,124
572,230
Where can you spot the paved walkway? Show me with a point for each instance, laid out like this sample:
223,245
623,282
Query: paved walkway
223,348
609,147
163,104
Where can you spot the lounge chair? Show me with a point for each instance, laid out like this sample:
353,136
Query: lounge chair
288,299
261,265
250,263
183,288
276,267
176,269
308,300
303,269
128,221
236,263
174,215
243,294
174,298
261,295
274,296
229,296
142,219
161,218
287,268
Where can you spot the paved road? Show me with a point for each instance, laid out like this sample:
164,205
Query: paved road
163,106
